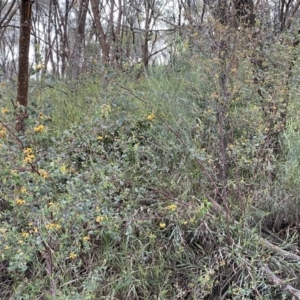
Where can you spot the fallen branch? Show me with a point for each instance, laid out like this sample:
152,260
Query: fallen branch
287,255
272,278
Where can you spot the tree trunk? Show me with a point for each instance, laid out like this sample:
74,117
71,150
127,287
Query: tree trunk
79,40
23,74
105,45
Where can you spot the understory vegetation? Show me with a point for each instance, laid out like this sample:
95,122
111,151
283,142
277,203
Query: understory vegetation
182,183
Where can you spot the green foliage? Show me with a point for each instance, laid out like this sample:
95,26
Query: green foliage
112,192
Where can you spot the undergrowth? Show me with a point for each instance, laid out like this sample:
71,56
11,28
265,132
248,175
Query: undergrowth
113,193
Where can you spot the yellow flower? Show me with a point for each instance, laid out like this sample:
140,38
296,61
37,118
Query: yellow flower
63,168
100,138
72,255
33,230
99,219
6,248
27,151
86,238
20,201
25,234
2,132
29,158
162,225
172,207
151,117
4,110
192,220
43,173
53,226
39,128
23,190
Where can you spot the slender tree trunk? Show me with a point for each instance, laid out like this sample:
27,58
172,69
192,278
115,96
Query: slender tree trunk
145,43
49,44
64,40
79,40
23,74
105,45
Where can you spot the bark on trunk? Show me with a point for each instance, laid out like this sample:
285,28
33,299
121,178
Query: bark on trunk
79,40
23,74
105,45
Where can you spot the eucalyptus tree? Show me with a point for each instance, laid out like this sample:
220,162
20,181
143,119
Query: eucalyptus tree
23,64
77,57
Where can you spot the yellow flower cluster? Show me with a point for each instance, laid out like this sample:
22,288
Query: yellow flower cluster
43,173
29,156
4,110
2,132
39,128
33,229
172,207
86,238
100,138
151,117
72,255
162,225
192,220
25,234
53,226
20,202
23,190
99,219
63,168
